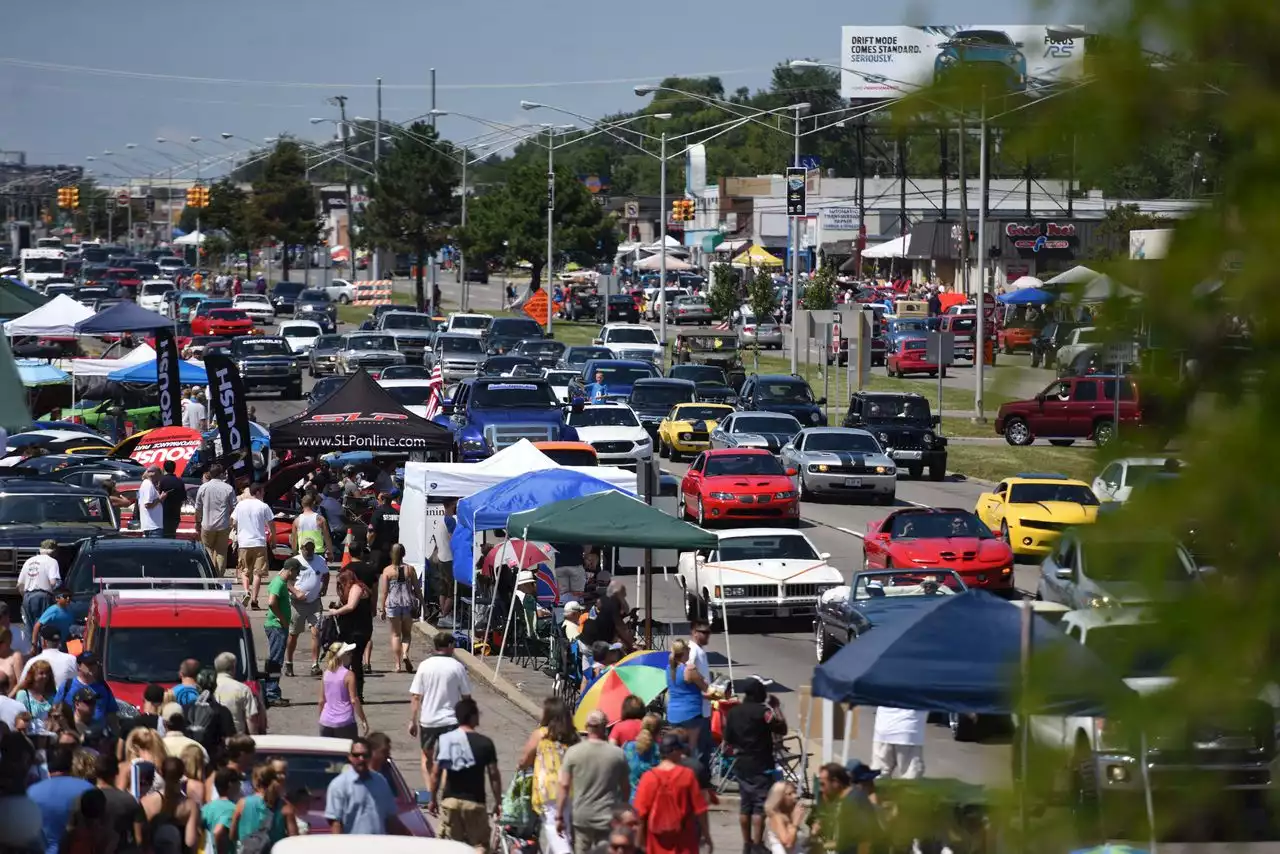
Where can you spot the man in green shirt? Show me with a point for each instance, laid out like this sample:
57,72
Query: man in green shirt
276,625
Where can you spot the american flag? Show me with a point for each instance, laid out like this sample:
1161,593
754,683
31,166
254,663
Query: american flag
436,384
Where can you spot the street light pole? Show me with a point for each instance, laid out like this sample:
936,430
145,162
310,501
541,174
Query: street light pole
795,258
462,258
662,252
376,268
344,132
551,207
980,355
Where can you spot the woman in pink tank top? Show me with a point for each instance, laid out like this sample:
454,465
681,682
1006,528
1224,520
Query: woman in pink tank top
339,703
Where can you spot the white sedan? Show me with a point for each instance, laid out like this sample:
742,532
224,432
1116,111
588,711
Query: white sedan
1117,480
301,334
257,306
756,572
614,431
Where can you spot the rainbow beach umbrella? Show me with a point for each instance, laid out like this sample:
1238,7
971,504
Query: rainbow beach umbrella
615,685
658,658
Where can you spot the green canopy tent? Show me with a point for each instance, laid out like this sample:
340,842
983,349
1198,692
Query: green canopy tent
17,300
613,519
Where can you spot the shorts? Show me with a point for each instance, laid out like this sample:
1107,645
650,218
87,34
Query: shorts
396,612
429,735
253,560
304,614
753,791
466,822
443,578
570,579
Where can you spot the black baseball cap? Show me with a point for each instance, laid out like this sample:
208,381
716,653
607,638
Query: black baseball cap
88,657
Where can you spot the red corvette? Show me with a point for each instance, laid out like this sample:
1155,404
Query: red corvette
942,538
732,484
225,322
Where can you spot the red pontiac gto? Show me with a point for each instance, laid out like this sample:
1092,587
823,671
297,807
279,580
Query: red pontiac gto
228,322
728,484
940,538
908,357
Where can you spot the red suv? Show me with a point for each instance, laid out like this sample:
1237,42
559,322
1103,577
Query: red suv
143,636
1070,409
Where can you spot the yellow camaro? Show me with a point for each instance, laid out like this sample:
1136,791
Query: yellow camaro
1030,511
687,428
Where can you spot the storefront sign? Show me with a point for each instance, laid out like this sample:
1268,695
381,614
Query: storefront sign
1041,236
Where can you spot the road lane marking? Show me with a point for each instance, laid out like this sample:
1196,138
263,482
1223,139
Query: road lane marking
848,531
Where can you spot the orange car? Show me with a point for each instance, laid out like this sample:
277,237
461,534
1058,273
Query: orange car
569,453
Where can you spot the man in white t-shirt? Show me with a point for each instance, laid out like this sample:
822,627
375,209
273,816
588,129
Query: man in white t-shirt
897,746
305,600
62,663
699,637
438,685
252,523
39,577
194,414
150,504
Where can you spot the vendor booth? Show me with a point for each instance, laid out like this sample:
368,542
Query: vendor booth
55,319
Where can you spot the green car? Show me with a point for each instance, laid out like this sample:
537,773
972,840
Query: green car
94,413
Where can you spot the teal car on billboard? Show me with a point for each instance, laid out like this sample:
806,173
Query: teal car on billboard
987,48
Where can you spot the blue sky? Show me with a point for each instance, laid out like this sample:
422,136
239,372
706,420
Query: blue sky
77,78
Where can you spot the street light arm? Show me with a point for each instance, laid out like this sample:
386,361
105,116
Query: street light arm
749,113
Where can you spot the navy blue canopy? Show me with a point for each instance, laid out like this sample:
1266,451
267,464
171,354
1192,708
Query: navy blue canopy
1028,296
962,654
123,317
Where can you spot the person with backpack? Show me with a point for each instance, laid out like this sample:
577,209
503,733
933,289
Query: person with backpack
258,822
666,797
208,721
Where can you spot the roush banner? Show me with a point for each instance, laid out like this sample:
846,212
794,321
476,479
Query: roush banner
167,378
230,405
167,444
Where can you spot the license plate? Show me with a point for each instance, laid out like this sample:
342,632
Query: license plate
908,455
854,482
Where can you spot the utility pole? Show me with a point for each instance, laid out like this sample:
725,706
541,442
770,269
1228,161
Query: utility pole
375,267
551,209
462,258
979,361
964,214
795,256
344,132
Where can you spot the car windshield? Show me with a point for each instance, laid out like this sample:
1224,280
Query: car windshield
315,771
409,395
257,299
560,377
571,456
690,301
542,348
260,347
858,443
766,424
211,305
881,407
144,655
879,586
328,342
326,387
910,326
621,374
743,464
146,269
779,547
397,320
299,331
371,342
1135,649
927,526
287,288
514,395
406,372
191,300
1034,493
229,314
633,335
49,510
313,296
695,412
471,321
786,392
913,344
582,355
461,345
505,364
152,288
604,416
700,374
661,395
515,328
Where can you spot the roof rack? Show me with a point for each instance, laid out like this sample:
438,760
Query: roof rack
1036,475
166,587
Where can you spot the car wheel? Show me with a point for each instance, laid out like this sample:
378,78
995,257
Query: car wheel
1103,433
1084,796
1017,432
934,375
821,643
702,514
343,299
675,456
682,509
1008,349
802,491
963,727
1035,359
1004,534
1062,443
664,450
295,391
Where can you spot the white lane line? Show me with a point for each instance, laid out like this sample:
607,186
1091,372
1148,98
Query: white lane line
914,503
848,531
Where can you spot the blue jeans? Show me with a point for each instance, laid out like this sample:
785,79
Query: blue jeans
34,604
275,644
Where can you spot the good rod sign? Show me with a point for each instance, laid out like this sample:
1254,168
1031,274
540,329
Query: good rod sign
1037,237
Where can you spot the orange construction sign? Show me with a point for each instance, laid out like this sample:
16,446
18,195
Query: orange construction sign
536,307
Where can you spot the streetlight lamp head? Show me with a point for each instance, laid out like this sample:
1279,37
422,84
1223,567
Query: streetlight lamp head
107,153
194,138
661,116
645,89
529,105
91,158
131,145
804,63
315,121
437,112
161,139
226,135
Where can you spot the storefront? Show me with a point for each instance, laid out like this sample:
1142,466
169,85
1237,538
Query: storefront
1039,247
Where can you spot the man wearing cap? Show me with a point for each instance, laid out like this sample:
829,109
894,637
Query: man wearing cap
572,624
846,813
595,778
89,677
215,499
150,504
94,732
527,599
173,722
306,595
58,614
39,577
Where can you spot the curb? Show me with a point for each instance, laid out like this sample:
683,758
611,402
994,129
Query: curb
477,668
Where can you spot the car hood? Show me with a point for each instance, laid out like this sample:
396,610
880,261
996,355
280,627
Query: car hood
807,571
651,411
1064,512
364,354
942,551
326,307
803,412
612,434
698,426
844,458
468,358
30,536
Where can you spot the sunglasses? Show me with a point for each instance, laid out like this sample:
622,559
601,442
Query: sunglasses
359,755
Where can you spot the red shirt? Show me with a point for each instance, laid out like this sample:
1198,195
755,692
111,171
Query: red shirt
626,731
670,797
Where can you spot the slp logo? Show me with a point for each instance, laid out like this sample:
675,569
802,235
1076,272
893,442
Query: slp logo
352,417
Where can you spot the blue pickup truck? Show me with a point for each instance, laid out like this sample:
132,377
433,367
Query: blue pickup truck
486,414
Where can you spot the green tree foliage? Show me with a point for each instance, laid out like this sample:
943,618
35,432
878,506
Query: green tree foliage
232,211
820,290
722,296
412,207
510,222
1113,231
760,293
285,200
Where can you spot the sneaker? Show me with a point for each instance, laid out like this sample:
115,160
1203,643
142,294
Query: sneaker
288,668
255,606
280,703
315,669
244,600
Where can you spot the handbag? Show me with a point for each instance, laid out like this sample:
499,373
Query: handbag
517,804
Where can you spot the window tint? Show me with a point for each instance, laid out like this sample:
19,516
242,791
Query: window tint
744,464
1085,391
1109,389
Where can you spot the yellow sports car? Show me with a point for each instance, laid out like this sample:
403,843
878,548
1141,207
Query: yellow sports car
1030,511
687,428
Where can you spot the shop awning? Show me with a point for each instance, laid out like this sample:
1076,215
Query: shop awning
612,519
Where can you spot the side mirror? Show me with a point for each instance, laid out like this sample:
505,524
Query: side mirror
598,342
1040,397
820,401
1065,573
824,555
936,421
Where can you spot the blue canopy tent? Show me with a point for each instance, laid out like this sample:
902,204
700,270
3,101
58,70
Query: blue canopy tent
1028,296
189,373
123,317
37,372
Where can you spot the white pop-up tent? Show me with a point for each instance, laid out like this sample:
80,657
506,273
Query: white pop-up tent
101,367
195,238
460,480
654,262
55,319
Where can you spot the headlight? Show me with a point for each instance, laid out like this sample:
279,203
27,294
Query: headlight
722,496
730,592
928,438
813,416
474,445
818,468
643,443
685,437
884,469
786,493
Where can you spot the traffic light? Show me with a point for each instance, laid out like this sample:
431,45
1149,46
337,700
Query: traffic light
193,197
64,197
75,197
204,196
676,211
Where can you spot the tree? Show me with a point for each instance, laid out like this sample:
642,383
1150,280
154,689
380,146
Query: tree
412,207
285,201
760,299
722,296
233,212
820,291
510,222
1113,231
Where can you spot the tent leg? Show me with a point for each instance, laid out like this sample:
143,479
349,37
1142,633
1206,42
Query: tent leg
1146,793
524,553
724,611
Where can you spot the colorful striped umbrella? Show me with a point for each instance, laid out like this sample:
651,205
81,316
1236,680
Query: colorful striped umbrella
614,686
658,658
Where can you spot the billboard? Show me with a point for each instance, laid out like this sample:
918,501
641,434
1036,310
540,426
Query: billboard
891,62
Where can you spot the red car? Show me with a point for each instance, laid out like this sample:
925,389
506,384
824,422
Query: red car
908,357
223,322
124,277
142,637
739,484
940,538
